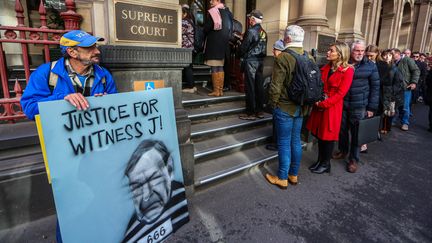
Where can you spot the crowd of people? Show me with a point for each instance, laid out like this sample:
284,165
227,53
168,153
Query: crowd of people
360,82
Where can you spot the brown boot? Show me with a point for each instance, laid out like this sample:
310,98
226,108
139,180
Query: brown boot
352,166
282,184
293,180
215,85
221,82
339,155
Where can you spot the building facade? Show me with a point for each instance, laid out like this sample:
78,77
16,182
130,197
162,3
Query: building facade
386,23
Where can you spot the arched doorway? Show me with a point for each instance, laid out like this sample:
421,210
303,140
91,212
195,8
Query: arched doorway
386,24
405,27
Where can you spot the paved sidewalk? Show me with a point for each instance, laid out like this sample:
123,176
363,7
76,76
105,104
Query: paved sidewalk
389,199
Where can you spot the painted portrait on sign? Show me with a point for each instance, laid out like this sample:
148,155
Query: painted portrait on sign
159,200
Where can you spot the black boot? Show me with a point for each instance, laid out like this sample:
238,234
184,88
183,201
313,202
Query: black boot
324,167
315,165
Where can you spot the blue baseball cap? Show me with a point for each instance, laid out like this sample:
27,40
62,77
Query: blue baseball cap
279,45
78,38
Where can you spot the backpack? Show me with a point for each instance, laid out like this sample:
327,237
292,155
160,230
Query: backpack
53,78
306,86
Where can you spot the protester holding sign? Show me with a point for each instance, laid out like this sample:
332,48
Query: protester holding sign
71,78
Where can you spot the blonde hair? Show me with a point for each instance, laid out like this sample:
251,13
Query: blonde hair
344,54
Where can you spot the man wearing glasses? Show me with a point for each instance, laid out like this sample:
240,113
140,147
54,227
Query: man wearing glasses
72,77
418,93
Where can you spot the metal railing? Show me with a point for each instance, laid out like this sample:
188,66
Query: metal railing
10,108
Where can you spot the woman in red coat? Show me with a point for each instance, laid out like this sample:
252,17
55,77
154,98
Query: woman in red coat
325,119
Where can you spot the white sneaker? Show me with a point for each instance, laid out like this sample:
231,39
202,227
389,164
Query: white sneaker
191,90
404,127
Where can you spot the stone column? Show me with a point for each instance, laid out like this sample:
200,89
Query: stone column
350,26
371,16
421,25
428,47
312,13
312,17
386,30
239,11
275,20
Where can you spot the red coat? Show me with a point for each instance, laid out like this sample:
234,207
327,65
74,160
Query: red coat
325,119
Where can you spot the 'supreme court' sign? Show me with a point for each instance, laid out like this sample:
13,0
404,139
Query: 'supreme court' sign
144,23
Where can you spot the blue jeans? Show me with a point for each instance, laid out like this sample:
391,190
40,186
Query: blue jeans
288,129
404,112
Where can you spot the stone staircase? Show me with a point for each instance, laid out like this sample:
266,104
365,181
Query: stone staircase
223,144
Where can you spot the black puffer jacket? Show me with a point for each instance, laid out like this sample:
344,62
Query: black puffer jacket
428,90
217,40
254,45
365,87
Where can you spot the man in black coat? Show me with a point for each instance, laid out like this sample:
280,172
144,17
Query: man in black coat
417,93
428,97
253,49
361,101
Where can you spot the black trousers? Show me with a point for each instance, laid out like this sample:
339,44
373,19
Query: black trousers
325,150
254,86
350,125
430,116
188,76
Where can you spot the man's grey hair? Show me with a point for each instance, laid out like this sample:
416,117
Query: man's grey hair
357,42
257,20
406,49
295,32
145,146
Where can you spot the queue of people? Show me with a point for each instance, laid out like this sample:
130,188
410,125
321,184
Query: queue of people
359,82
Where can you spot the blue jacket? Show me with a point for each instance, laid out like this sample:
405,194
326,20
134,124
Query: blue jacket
365,87
38,90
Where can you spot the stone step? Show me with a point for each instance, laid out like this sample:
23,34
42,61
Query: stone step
214,170
232,142
21,165
201,99
19,152
216,110
224,126
17,135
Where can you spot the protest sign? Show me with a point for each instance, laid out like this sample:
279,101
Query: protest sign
115,168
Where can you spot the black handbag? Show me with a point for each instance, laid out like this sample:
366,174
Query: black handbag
368,130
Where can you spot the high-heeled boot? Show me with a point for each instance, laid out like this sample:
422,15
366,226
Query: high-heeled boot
315,165
324,167
215,83
221,79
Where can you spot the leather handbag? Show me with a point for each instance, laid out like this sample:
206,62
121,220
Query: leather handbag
368,130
